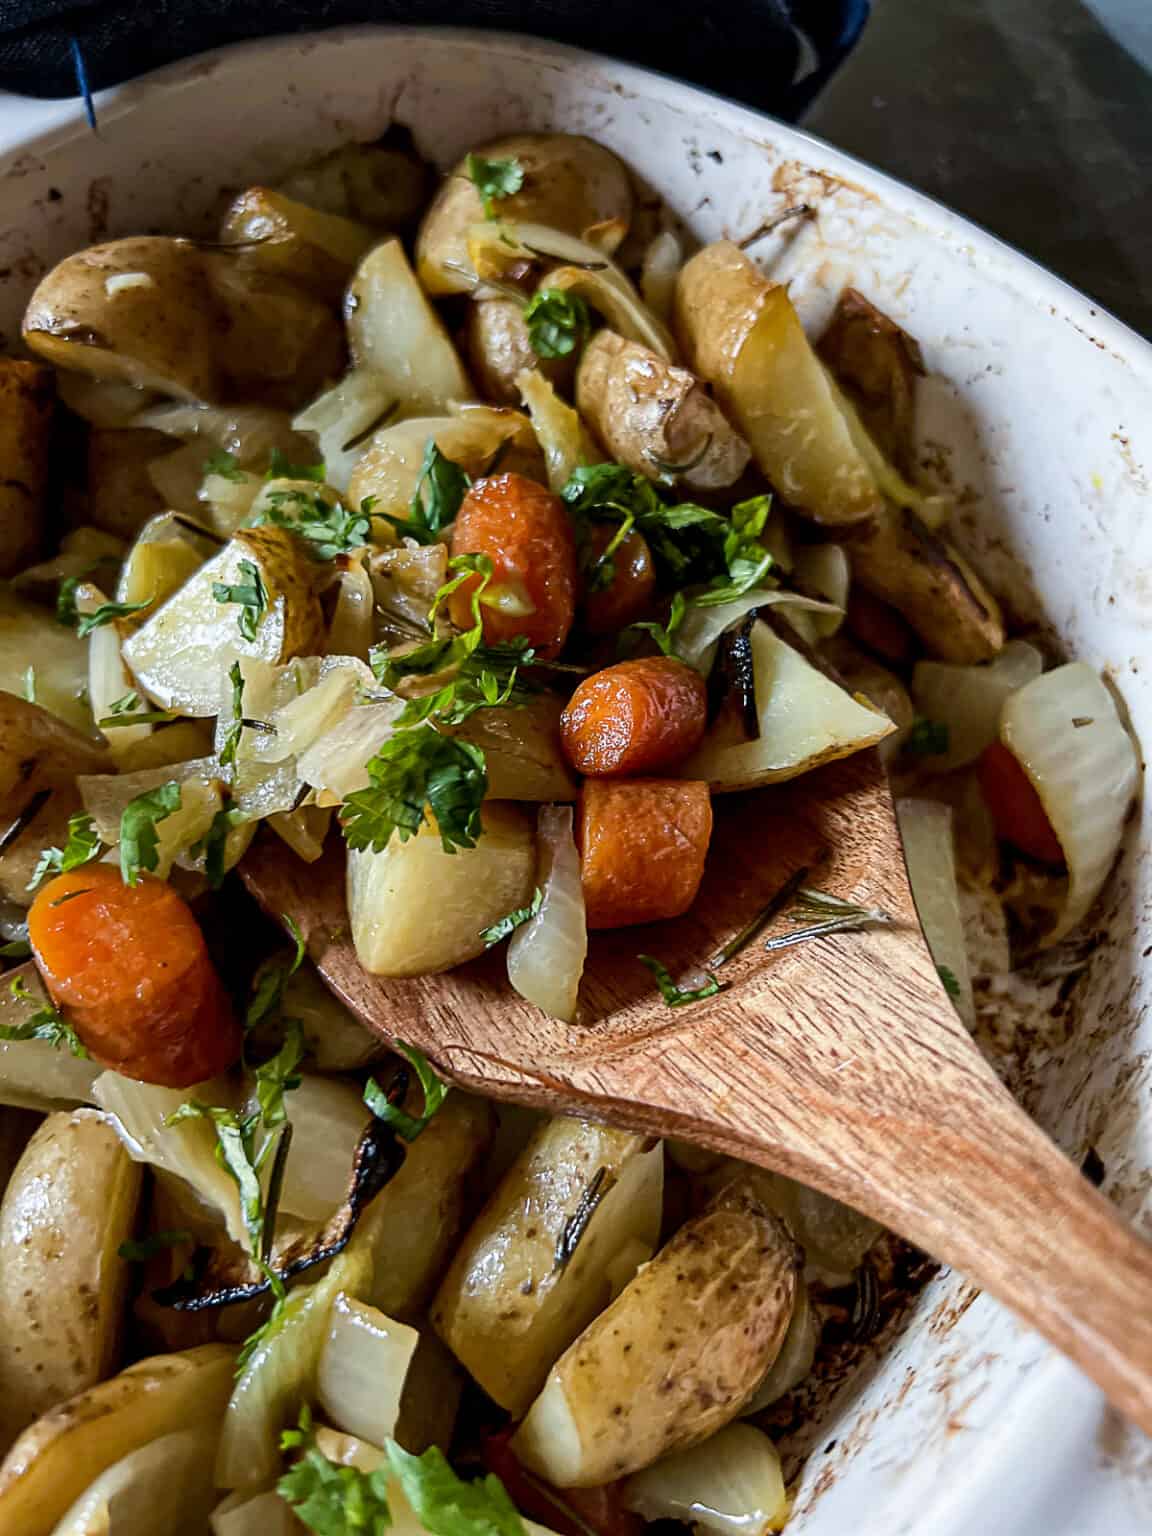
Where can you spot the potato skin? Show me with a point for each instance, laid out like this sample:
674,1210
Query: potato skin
27,404
635,718
504,1308
497,347
570,183
650,414
642,844
121,496
70,1203
163,332
295,241
678,1353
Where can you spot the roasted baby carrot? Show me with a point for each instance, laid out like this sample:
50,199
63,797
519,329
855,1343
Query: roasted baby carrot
525,532
618,589
642,848
129,968
636,717
1017,810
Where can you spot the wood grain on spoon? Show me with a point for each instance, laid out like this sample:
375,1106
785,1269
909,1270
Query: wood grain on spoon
840,1061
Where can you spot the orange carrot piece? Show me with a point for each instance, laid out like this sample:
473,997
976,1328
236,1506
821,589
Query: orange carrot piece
626,597
634,718
1017,810
525,531
642,848
129,967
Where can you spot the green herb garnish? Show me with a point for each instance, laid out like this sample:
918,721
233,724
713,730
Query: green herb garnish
446,1505
440,488
139,840
81,846
269,993
224,464
327,528
435,1092
139,1252
281,468
417,769
105,614
280,1074
927,738
676,996
329,1499
558,322
512,920
494,179
951,985
250,594
232,731
44,1023
214,844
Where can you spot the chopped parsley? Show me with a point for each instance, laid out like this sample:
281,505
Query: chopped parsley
435,1092
281,468
676,996
927,738
232,731
249,594
140,1251
951,985
81,846
440,488
494,180
280,1074
663,634
512,920
226,465
44,1023
213,846
236,1149
558,322
446,1505
269,993
414,769
129,710
329,1499
106,614
328,528
139,840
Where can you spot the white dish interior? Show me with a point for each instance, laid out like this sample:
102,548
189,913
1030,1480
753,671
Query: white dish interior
1039,406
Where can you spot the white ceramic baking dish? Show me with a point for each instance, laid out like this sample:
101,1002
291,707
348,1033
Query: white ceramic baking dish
1040,410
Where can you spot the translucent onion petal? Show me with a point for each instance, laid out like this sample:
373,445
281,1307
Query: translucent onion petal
699,634
794,1361
563,438
1065,730
341,416
363,1365
969,700
823,570
335,764
353,626
328,1117
546,954
658,273
926,830
731,1484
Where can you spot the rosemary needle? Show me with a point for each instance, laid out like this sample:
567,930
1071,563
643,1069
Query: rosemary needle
750,929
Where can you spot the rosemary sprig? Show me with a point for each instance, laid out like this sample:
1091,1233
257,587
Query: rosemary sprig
751,928
831,914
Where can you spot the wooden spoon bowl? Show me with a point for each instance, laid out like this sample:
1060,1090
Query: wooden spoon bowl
839,1061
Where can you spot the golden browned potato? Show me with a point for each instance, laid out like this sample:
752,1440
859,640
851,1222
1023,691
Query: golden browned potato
282,236
69,1205
656,418
678,1353
899,558
878,363
121,495
278,344
139,310
385,184
59,1456
414,909
40,757
498,349
535,1267
27,401
570,183
740,332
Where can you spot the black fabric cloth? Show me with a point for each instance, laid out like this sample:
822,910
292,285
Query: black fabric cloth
774,54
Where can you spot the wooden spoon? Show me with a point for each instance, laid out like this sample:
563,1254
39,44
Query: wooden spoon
839,1061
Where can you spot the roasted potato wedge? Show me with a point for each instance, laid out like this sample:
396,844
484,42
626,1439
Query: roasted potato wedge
899,558
498,349
121,494
40,757
676,1355
384,184
805,719
166,1483
656,418
425,1201
569,182
139,310
62,1454
878,363
414,909
294,241
741,334
180,653
43,660
27,404
278,344
533,1270
69,1205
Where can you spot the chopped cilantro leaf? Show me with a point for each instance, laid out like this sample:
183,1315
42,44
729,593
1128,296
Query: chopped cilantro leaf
249,594
281,468
512,920
440,488
105,614
44,1023
494,179
558,322
139,840
235,725
951,985
414,771
328,528
435,1092
927,738
224,464
81,846
676,996
446,1505
279,1074
329,1499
